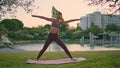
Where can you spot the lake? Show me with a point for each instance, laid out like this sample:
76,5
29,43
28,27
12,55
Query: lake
54,47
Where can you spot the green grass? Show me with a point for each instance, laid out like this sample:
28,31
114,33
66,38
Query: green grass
98,59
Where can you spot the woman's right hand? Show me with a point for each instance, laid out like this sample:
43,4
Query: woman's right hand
34,15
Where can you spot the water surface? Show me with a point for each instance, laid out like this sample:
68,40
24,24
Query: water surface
72,47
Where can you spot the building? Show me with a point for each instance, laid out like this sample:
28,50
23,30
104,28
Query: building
98,19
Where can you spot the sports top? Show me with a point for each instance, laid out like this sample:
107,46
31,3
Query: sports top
55,24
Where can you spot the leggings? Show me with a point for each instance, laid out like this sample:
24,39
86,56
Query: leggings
53,37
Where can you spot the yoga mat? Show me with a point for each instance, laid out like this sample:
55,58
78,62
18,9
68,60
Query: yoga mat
57,61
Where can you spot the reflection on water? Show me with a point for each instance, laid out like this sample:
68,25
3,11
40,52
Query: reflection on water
72,47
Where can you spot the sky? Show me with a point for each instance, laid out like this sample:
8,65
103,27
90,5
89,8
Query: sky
71,9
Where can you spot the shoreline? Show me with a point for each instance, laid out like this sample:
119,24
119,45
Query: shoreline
12,50
3,50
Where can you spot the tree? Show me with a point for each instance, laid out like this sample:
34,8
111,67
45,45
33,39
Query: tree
95,29
112,27
3,30
109,6
78,28
12,24
85,33
68,34
77,35
64,27
10,6
47,26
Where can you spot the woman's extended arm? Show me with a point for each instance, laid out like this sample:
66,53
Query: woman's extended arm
42,17
72,20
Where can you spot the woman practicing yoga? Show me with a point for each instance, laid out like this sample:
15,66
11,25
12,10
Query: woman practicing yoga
57,21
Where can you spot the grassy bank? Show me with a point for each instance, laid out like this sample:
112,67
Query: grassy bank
99,59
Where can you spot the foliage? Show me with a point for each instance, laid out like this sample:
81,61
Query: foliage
95,29
109,6
6,45
85,33
64,27
78,28
47,26
112,27
10,6
77,35
3,30
68,34
12,24
27,33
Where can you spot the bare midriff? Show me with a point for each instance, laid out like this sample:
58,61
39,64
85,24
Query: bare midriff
54,30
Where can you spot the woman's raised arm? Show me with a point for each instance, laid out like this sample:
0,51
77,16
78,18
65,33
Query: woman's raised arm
42,17
72,20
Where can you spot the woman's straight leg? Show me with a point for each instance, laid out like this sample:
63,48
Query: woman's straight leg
47,43
59,42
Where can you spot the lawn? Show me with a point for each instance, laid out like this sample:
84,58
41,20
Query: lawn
95,59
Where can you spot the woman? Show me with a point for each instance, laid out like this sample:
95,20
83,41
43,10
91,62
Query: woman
54,31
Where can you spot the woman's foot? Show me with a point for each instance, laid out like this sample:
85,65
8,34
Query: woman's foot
73,59
36,61
30,61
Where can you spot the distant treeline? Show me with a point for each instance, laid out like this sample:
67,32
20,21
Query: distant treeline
15,30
